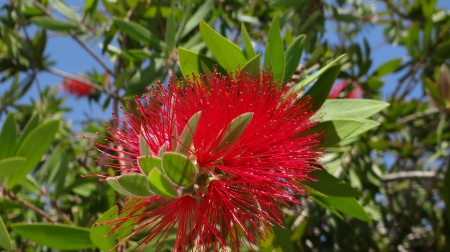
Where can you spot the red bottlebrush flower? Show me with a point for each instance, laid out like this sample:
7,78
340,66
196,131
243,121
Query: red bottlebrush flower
355,93
244,149
76,88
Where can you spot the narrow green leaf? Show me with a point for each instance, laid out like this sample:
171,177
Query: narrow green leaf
283,237
53,24
335,131
235,129
138,32
162,149
58,175
171,31
100,233
249,51
8,137
65,10
161,185
252,66
319,200
320,90
350,108
58,236
347,205
114,183
5,240
330,185
32,148
195,19
138,54
144,150
90,7
293,56
136,184
179,169
147,163
32,123
194,63
124,77
11,165
229,55
388,67
275,49
305,82
187,135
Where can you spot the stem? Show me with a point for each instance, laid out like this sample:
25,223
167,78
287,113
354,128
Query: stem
74,77
29,206
55,206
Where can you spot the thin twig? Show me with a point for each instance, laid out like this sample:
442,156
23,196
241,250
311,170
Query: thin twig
417,115
75,77
28,205
412,175
55,206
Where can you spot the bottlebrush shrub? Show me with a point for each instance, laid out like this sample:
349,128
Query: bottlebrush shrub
77,88
212,160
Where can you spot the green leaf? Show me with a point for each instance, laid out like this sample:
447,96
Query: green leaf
335,131
162,149
195,19
319,200
138,54
275,50
350,108
58,236
320,90
58,174
330,185
147,164
187,135
194,63
388,67
234,130
249,51
100,233
305,82
144,150
114,183
65,10
53,24
32,148
283,237
138,32
179,168
252,66
8,137
32,123
229,55
5,240
171,31
136,184
367,125
346,205
161,185
293,56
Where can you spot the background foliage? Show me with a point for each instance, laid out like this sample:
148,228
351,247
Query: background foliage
399,168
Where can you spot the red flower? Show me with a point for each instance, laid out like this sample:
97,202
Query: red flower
76,88
249,147
354,93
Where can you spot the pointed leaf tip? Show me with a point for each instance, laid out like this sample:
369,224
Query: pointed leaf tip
235,129
187,135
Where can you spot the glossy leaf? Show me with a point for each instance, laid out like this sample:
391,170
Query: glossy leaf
33,147
138,32
388,67
346,205
194,63
8,137
53,24
161,185
320,90
293,56
249,51
350,108
275,50
147,163
11,165
305,82
335,131
5,240
330,185
100,234
187,135
179,169
234,130
229,55
57,236
252,66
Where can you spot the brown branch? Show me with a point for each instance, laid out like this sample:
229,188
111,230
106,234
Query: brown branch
418,115
55,206
28,205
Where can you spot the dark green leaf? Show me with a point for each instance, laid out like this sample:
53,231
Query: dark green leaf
53,24
252,66
5,240
330,185
346,205
275,50
138,32
320,90
335,131
8,137
179,169
293,56
56,236
388,67
171,31
283,237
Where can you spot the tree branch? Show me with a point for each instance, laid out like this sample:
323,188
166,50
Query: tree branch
28,205
412,175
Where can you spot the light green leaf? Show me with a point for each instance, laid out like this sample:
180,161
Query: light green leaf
350,108
319,200
179,169
229,55
388,67
235,129
136,184
346,205
5,240
195,19
53,24
32,148
161,185
293,56
100,233
138,54
147,163
194,63
187,135
138,32
8,137
58,236
252,66
330,185
305,82
32,123
114,183
320,90
171,31
335,131
275,49
367,125
249,51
